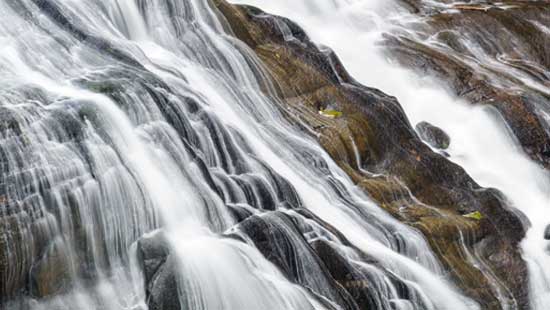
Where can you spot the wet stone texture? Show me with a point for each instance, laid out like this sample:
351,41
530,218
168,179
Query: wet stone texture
433,135
489,53
417,186
159,268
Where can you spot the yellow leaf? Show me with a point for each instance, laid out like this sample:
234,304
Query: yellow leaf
330,113
474,215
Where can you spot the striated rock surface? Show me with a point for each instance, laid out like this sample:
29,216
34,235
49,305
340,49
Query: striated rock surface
490,53
375,144
368,136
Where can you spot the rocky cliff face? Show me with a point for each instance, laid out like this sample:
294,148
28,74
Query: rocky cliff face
472,230
374,143
490,53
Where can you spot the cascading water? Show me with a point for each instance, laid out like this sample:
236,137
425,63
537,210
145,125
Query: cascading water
481,140
125,117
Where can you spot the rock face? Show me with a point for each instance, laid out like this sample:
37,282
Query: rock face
486,52
433,135
372,123
160,273
370,139
51,274
280,239
315,255
28,256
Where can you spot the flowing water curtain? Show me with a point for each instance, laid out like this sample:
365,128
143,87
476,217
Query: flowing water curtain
479,135
130,118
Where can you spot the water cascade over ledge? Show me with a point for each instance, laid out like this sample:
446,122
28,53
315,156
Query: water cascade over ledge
151,160
482,141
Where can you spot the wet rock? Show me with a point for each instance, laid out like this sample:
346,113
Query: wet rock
153,251
547,233
163,291
373,134
24,238
360,286
280,240
433,135
54,12
51,274
160,272
505,33
240,213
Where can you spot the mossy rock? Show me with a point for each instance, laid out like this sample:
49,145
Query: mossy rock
374,143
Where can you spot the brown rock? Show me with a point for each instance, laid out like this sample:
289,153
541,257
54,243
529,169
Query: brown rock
417,186
504,33
51,274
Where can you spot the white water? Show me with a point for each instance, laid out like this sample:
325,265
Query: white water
142,167
139,167
481,141
139,161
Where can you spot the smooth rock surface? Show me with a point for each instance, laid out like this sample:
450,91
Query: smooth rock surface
433,135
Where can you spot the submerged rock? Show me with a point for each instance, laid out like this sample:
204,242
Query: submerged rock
433,135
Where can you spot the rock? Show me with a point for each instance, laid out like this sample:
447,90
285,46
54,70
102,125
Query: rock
547,233
358,283
278,237
26,246
507,36
51,274
163,290
152,252
433,135
160,272
373,134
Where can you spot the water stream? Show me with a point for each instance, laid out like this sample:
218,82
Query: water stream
127,118
482,143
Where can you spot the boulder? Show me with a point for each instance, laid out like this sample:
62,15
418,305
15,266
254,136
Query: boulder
160,272
433,135
163,290
153,251
547,233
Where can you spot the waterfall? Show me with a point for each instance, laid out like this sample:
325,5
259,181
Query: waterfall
127,120
482,142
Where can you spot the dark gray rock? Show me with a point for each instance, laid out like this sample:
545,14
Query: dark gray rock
433,135
153,251
547,233
163,290
160,272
